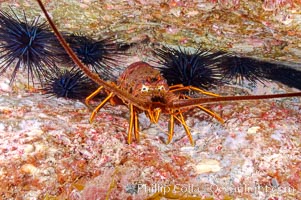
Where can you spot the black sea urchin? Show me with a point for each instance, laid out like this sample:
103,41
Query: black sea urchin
72,84
197,69
238,68
253,70
283,74
30,46
101,56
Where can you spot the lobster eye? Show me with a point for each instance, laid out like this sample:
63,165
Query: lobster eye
160,88
144,88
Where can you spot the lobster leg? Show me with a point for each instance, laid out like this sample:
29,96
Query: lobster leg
100,105
91,96
171,128
136,125
180,87
216,116
154,115
131,123
182,121
211,113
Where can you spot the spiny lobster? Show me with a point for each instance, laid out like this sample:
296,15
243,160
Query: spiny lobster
142,88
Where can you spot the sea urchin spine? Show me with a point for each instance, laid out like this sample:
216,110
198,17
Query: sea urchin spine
101,56
238,68
199,69
31,45
72,84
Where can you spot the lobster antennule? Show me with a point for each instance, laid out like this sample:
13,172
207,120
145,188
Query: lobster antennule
185,103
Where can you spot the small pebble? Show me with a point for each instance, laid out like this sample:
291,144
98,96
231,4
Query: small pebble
29,169
253,130
207,165
35,132
28,148
4,86
39,147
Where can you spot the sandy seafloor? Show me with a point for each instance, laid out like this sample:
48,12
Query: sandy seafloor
49,150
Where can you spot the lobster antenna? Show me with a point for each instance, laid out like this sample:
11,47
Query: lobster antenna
182,103
85,69
63,42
